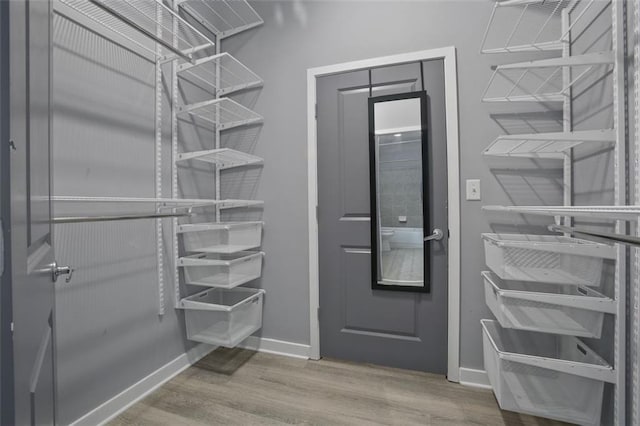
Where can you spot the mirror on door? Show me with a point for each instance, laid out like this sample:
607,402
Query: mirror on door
398,151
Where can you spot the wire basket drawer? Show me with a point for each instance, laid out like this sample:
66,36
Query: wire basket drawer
545,375
223,317
221,270
225,237
548,308
546,258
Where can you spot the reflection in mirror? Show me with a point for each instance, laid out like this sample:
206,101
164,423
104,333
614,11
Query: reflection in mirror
396,149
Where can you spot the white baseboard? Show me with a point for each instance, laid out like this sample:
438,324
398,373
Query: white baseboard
474,378
125,399
278,347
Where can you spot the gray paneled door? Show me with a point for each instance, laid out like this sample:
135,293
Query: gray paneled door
390,328
31,237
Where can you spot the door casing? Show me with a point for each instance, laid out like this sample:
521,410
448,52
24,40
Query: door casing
448,54
6,347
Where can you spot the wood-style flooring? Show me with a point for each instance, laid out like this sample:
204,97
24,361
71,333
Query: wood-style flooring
240,387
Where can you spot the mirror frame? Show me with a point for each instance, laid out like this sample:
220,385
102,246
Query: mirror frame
426,287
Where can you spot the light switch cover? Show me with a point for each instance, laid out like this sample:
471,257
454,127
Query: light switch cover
473,189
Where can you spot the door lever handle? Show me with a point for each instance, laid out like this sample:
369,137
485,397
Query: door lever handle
436,236
56,271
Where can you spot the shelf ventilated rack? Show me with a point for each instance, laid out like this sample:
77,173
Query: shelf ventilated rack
534,25
221,255
224,158
148,24
546,145
224,113
223,18
533,301
165,34
541,80
219,75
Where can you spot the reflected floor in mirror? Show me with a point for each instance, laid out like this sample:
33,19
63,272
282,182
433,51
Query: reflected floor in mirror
403,266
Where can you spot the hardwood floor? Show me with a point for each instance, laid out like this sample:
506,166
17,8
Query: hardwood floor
240,387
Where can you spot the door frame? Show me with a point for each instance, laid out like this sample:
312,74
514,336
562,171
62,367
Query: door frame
448,54
6,341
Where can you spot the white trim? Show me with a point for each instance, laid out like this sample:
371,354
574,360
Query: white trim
474,378
277,347
125,399
451,96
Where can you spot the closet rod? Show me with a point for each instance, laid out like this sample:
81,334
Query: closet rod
140,29
82,219
617,238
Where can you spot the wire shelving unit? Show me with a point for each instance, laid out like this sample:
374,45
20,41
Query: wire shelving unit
624,213
542,80
149,24
224,158
220,260
130,205
546,145
224,18
552,81
224,113
534,25
164,34
234,75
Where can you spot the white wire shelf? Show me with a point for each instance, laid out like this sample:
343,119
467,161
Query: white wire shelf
534,25
224,112
224,158
541,80
545,145
146,23
224,18
159,203
233,75
628,213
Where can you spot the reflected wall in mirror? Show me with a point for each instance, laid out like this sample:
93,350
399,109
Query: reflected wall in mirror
397,150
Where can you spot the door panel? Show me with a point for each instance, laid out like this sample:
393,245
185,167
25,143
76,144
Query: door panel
31,236
398,329
376,318
355,201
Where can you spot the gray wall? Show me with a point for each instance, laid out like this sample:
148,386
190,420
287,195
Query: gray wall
109,334
301,35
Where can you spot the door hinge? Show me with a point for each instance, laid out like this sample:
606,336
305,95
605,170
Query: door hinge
12,145
11,327
448,233
316,111
317,214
